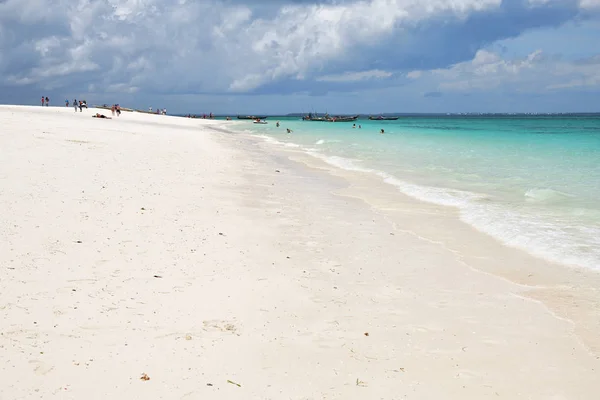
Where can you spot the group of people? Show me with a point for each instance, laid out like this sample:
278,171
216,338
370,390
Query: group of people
45,101
359,127
78,104
158,111
287,129
204,116
115,109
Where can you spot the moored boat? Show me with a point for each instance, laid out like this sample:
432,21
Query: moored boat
382,118
252,117
343,118
328,118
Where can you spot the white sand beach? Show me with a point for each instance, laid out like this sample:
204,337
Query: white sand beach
222,267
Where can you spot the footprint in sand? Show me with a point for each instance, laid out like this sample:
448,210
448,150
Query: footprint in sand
41,368
220,326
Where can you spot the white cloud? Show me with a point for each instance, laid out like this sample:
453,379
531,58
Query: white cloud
302,38
214,46
209,45
121,88
356,76
589,4
487,70
535,73
414,74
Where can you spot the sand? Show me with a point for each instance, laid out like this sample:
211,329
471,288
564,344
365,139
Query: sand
223,268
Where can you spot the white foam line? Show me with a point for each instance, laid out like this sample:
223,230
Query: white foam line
501,224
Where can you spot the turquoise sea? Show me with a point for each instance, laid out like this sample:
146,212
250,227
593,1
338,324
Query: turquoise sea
532,182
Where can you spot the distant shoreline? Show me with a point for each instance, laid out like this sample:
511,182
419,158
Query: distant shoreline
423,115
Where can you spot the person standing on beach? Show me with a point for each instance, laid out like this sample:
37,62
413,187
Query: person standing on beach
43,100
47,101
75,104
67,103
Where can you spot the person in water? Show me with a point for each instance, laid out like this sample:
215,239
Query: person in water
353,126
382,132
289,130
277,124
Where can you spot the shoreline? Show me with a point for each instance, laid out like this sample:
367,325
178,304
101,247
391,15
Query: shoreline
164,246
540,279
546,211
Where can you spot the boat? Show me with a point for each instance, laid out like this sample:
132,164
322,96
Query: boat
328,118
258,121
382,118
252,117
322,119
343,118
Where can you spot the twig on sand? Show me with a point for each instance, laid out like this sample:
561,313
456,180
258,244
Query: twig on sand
360,383
233,383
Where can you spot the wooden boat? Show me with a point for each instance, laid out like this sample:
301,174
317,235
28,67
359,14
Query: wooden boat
252,117
382,118
328,118
316,117
343,118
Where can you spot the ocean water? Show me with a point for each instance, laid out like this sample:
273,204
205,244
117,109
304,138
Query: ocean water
530,182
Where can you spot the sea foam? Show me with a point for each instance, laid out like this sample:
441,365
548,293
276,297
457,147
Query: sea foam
555,241
555,238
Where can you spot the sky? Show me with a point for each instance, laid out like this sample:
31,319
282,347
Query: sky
275,57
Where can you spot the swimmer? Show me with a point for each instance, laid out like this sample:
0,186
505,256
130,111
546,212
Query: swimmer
277,124
289,130
382,132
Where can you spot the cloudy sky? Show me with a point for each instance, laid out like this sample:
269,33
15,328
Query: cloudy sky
269,56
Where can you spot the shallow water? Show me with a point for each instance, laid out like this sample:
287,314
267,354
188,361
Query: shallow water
531,182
